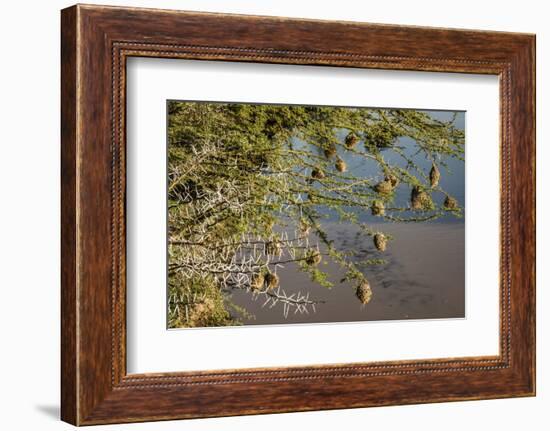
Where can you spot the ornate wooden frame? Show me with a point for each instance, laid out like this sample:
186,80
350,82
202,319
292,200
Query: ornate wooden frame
95,42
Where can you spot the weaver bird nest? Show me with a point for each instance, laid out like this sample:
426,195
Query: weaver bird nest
313,258
384,187
341,165
393,179
351,140
271,281
377,208
435,175
364,292
257,281
317,174
421,200
450,203
380,241
330,151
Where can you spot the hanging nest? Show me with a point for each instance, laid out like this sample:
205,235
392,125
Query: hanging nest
393,179
450,203
364,292
380,241
330,151
317,174
384,187
351,140
420,200
341,165
313,258
416,198
271,281
274,248
257,281
377,208
435,175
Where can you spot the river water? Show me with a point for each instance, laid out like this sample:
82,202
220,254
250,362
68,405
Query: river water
422,279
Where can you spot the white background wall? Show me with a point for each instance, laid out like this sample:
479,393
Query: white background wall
29,214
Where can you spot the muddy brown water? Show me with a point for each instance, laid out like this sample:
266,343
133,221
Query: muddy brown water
424,278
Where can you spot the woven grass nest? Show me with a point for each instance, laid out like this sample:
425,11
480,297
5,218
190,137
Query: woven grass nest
393,179
313,258
364,292
435,175
351,140
421,200
330,151
450,203
317,174
271,280
380,241
384,187
341,165
257,281
377,208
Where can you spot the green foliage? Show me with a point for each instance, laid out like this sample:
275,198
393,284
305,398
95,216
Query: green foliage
243,177
197,303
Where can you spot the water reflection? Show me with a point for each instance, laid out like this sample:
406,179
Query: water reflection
423,278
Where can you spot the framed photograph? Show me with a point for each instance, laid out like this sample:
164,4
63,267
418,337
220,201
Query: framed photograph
264,215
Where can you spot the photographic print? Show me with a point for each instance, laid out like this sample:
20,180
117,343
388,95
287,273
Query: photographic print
286,214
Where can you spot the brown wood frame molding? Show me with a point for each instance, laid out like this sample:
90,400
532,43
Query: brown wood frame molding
95,43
